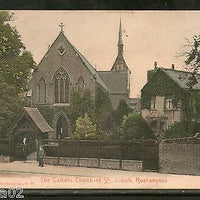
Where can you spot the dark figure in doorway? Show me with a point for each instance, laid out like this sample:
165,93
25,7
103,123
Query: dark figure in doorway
41,157
24,148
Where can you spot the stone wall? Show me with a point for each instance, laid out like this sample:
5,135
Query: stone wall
180,157
127,165
4,159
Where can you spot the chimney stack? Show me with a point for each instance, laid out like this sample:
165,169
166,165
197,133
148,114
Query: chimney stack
173,66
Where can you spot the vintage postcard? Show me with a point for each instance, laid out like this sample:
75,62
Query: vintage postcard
99,100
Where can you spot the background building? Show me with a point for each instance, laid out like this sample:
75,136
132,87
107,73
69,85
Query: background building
167,98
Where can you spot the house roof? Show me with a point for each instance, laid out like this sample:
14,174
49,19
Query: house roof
38,119
116,82
181,78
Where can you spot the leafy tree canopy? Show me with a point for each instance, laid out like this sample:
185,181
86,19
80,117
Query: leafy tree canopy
85,129
134,126
81,104
15,65
182,129
193,60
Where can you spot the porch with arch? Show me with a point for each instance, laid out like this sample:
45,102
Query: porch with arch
61,125
26,133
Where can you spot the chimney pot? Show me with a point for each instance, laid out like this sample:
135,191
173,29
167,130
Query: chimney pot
173,66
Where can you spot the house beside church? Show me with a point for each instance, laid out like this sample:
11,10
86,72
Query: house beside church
63,70
167,98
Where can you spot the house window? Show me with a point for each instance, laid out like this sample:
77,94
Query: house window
61,86
168,103
153,103
42,91
80,85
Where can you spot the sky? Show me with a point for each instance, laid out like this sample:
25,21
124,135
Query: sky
148,36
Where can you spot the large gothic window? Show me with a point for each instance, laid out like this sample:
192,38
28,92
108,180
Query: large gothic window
80,85
42,91
61,86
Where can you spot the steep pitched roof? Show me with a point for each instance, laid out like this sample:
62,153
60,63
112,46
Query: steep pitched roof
181,78
91,69
35,116
38,119
117,82
120,64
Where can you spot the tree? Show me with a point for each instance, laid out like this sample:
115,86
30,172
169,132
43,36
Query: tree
15,65
113,122
193,60
103,107
81,104
134,126
182,129
122,110
84,128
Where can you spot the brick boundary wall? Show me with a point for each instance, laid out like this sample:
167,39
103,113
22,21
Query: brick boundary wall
127,165
180,157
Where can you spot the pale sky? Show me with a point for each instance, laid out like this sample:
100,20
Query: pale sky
148,36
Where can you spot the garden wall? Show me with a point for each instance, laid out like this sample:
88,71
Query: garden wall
126,165
180,156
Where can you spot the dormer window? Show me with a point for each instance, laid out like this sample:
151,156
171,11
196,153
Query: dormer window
61,50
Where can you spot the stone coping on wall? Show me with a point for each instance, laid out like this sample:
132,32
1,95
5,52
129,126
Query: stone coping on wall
126,165
4,159
190,140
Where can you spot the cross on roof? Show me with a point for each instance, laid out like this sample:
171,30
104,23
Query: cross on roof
61,27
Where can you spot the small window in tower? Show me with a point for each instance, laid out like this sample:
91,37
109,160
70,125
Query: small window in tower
61,50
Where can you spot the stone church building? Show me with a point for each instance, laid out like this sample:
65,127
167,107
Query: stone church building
63,69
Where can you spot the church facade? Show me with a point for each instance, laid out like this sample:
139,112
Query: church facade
63,69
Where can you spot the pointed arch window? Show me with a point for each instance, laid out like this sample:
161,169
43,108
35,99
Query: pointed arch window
42,91
61,86
80,85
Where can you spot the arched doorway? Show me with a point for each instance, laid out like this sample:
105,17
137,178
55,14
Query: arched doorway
27,132
62,126
25,144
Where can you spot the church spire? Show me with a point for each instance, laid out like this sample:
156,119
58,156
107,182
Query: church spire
120,42
120,63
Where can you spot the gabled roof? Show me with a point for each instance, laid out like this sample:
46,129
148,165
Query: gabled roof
91,69
116,82
35,116
120,64
181,78
38,119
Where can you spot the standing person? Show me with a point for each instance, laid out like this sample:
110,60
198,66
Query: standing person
24,148
41,156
